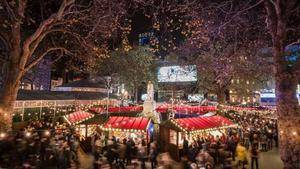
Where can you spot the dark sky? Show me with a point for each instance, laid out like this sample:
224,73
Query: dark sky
140,24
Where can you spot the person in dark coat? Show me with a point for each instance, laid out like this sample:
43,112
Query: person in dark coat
142,154
185,147
129,151
232,147
254,156
153,154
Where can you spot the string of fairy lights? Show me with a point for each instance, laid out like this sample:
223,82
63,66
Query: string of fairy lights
195,133
57,109
63,110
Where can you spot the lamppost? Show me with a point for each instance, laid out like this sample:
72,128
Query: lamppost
108,80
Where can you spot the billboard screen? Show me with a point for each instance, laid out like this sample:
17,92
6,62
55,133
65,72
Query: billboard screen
177,73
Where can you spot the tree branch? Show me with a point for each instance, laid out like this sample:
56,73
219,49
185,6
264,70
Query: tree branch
239,13
34,40
271,18
61,55
10,12
40,57
45,24
2,59
294,43
21,8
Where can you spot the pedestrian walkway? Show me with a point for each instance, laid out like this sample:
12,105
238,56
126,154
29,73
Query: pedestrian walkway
267,160
270,160
85,160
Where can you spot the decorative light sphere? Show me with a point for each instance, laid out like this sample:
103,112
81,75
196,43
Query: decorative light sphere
47,133
2,135
27,134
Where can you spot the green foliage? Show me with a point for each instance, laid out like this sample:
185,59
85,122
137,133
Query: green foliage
133,67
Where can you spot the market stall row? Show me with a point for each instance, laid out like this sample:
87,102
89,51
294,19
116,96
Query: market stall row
161,109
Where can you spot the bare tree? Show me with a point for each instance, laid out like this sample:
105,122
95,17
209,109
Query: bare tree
75,28
274,23
280,23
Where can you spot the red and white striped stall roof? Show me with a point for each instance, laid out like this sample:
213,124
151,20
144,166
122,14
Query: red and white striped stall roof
78,117
127,123
123,109
185,109
202,123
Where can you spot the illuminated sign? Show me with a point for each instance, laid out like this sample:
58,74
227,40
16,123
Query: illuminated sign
177,73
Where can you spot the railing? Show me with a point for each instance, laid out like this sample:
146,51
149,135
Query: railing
49,103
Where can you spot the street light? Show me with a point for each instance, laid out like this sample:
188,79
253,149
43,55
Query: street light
108,80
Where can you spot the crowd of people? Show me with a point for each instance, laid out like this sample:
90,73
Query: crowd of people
123,153
236,148
41,144
44,144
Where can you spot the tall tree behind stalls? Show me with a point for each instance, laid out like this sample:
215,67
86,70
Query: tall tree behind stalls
282,22
222,63
223,53
75,28
133,67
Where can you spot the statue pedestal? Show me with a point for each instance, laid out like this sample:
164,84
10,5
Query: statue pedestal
149,111
148,108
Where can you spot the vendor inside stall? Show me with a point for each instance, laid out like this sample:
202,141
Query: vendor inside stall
136,128
177,134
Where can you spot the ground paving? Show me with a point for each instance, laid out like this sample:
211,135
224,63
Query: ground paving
270,160
267,160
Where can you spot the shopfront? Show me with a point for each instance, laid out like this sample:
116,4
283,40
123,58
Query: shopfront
173,132
137,128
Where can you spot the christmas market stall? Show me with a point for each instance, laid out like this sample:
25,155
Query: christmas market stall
174,131
186,109
118,109
121,127
77,118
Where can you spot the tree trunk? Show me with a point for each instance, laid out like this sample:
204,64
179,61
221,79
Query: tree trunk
221,97
31,86
286,102
136,95
288,120
8,96
11,82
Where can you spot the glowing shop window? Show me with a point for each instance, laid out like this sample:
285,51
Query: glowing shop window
173,137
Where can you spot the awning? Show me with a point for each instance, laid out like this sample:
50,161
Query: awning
123,109
185,109
199,124
78,117
132,124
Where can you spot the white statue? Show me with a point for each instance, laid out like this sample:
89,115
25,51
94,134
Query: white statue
149,105
150,91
